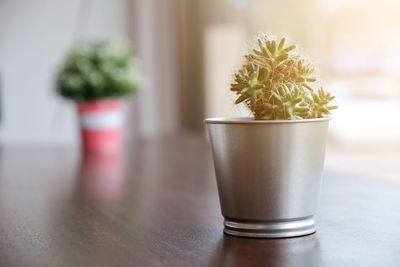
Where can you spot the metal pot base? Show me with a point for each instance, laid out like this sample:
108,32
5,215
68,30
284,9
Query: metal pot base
270,229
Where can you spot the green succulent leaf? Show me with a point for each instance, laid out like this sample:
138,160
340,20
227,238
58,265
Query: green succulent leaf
275,83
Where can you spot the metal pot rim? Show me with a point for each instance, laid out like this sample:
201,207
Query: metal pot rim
251,120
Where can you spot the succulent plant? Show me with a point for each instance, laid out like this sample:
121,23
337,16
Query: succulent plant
275,83
96,70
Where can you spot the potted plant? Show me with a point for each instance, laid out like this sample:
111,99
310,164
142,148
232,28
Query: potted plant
95,74
268,168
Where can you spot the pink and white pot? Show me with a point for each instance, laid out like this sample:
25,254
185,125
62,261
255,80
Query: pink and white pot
101,126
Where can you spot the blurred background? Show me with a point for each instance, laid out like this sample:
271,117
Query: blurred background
189,50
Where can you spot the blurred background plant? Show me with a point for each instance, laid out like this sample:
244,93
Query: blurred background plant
95,70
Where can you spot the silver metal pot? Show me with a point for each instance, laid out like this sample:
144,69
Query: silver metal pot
268,174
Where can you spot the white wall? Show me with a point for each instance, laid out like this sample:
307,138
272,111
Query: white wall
34,35
221,61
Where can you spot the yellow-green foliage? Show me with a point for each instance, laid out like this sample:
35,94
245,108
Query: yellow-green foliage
275,83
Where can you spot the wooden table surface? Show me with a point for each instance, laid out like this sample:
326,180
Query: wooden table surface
159,207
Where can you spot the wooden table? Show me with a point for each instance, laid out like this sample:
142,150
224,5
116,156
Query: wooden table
159,207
